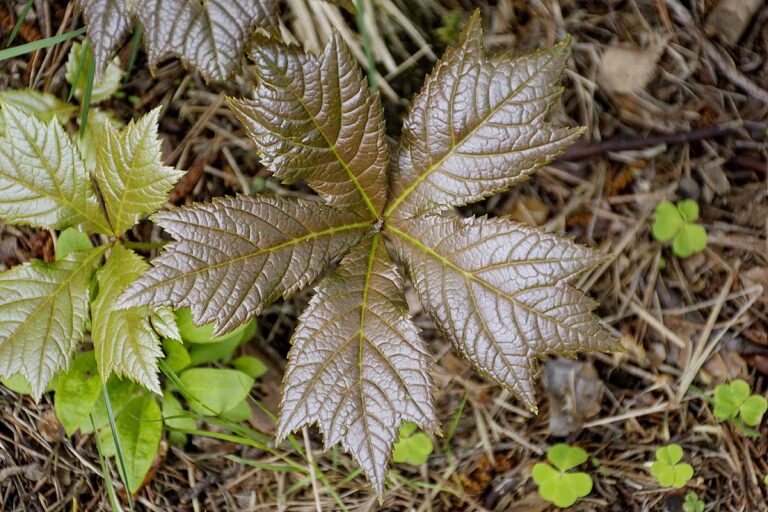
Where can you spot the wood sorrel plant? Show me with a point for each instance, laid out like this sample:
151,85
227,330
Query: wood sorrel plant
498,290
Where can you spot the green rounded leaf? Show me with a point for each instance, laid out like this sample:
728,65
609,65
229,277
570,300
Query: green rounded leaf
667,223
663,472
412,448
250,365
689,210
565,457
671,454
691,239
753,409
543,473
71,240
192,333
77,392
580,483
218,390
174,414
140,428
241,412
176,356
683,473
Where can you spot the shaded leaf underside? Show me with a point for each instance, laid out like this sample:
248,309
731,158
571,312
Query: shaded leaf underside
236,255
358,367
478,126
313,118
499,292
43,315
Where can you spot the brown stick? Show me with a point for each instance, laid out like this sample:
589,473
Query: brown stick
594,149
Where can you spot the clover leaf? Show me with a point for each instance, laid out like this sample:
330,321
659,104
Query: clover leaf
734,400
678,223
555,483
413,447
667,470
693,503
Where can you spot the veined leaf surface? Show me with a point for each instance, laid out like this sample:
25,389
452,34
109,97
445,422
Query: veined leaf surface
236,255
313,118
43,315
124,341
208,34
43,181
358,366
132,179
499,292
478,126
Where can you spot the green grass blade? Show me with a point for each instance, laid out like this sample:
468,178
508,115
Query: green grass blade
135,42
90,72
118,448
19,22
78,72
455,421
113,501
370,64
10,53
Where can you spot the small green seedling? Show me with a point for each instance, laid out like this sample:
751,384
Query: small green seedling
413,447
693,503
556,484
678,223
668,470
735,400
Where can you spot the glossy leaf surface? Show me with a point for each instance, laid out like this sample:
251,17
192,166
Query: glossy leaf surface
129,171
236,255
43,181
358,367
210,35
478,126
498,290
313,118
124,341
43,315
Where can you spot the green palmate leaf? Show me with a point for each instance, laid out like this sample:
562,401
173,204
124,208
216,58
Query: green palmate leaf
412,447
43,105
124,340
729,397
478,126
565,457
43,181
140,428
164,323
209,35
667,468
245,252
43,315
691,239
753,409
668,221
693,503
71,240
330,135
357,366
77,392
132,180
217,390
689,210
562,489
499,292
107,84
